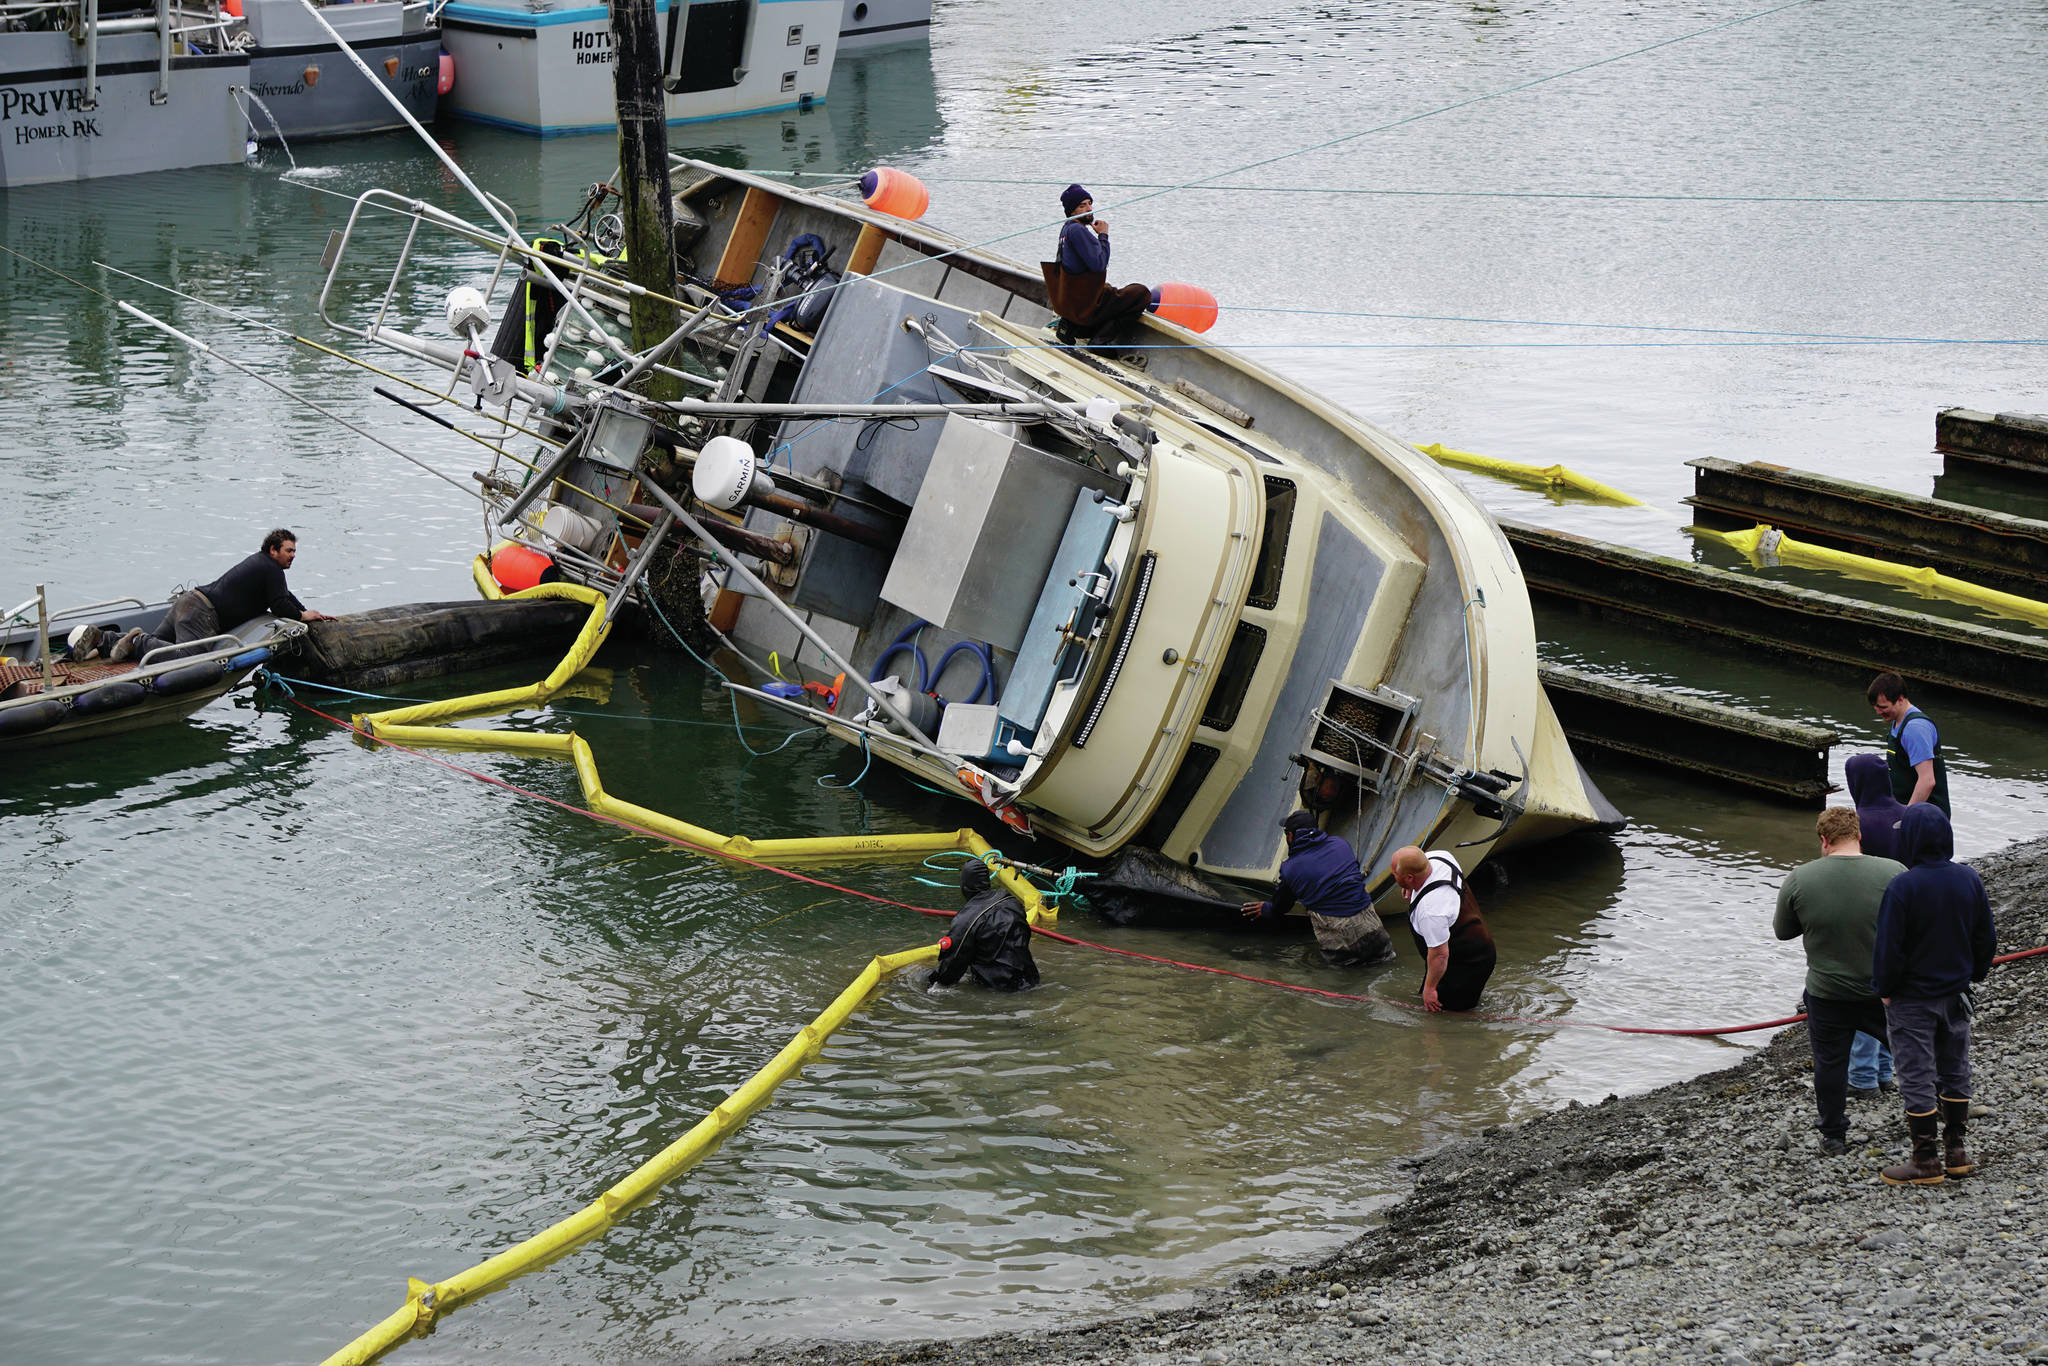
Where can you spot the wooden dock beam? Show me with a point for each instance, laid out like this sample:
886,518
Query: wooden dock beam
2014,442
1991,548
1784,620
1728,744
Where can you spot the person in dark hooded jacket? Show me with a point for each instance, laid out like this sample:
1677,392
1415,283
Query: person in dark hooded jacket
1935,937
1077,279
990,936
1322,873
1878,813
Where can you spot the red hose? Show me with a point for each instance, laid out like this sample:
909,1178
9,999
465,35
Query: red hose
1067,938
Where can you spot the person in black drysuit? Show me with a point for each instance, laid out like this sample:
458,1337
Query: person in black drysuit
250,589
990,936
1077,281
1322,873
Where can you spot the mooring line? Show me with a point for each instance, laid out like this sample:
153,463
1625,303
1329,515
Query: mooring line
1295,987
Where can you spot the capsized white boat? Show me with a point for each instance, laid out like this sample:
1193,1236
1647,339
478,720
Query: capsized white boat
1152,597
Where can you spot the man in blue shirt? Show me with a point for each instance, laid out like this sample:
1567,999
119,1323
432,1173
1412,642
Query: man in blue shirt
1912,756
1077,281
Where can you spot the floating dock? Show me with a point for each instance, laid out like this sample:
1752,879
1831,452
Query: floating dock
1728,744
1991,548
2015,442
1785,620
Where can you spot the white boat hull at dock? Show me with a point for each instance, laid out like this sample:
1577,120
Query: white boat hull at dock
548,69
54,128
868,24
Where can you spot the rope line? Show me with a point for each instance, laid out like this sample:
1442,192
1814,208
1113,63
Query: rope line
1297,988
1374,190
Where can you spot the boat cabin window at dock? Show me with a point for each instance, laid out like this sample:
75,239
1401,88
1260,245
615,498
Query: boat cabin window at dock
1265,589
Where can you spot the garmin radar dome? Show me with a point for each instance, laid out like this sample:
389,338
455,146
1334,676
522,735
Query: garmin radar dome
726,474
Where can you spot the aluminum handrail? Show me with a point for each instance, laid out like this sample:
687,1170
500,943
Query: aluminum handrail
239,644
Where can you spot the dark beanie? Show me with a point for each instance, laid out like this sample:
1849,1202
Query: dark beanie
1299,820
1071,197
974,878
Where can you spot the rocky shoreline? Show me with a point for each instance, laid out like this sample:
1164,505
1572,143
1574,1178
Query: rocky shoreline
1699,1222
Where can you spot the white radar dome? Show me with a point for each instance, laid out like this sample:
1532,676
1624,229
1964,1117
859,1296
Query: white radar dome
726,473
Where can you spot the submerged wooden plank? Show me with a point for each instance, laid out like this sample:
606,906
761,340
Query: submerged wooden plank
2007,441
1781,619
1986,547
1710,739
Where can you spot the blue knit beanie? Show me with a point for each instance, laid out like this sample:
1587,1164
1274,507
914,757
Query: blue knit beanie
1071,197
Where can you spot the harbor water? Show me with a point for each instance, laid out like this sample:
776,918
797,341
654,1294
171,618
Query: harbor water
286,1019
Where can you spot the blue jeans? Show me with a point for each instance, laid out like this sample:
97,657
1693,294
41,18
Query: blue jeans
1870,1063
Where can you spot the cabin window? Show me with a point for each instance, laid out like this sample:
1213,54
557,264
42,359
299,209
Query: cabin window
1234,679
1265,590
1194,771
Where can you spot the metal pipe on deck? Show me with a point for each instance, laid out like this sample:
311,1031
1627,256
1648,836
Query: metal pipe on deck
1781,618
1994,548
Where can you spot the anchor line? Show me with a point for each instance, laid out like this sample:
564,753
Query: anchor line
1056,936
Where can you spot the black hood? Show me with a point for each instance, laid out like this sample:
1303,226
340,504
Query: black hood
974,879
1928,835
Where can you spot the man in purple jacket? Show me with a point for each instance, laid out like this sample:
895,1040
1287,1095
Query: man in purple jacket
1077,281
1934,938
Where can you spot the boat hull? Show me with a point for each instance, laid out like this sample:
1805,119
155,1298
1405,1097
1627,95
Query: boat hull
549,72
869,24
50,133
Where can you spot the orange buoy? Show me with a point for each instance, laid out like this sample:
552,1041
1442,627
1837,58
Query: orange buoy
446,82
1190,306
233,7
897,193
517,566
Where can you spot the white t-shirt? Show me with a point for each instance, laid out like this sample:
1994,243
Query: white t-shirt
1433,915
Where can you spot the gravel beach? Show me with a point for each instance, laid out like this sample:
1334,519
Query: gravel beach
1699,1222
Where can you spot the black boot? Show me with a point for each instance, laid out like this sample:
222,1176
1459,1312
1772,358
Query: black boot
1924,1167
1955,1117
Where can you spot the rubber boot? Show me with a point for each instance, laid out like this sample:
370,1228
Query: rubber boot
1955,1120
1924,1167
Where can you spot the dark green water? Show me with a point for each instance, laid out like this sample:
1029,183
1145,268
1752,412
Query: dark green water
285,1020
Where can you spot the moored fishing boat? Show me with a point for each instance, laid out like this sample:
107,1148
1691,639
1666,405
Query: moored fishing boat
1151,597
869,24
545,66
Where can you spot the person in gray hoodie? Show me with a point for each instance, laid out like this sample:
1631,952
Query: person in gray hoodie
1935,937
1878,812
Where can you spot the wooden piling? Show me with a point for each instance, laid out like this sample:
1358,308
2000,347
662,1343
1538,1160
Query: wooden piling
643,180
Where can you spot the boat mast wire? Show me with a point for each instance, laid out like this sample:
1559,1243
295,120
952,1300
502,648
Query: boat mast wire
265,380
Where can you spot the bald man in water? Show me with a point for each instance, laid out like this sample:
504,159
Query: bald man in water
1450,934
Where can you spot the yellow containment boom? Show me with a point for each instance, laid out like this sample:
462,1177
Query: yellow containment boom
1541,476
1766,544
425,1304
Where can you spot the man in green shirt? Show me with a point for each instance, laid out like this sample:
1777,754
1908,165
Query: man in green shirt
1831,903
